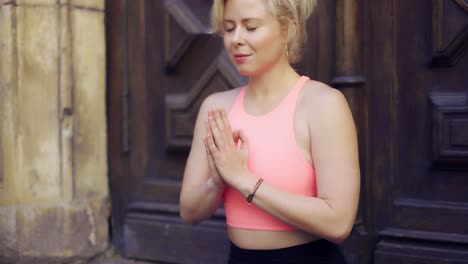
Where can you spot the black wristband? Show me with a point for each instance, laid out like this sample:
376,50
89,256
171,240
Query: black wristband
251,195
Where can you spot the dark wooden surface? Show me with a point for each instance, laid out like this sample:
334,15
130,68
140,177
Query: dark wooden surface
163,62
402,66
418,130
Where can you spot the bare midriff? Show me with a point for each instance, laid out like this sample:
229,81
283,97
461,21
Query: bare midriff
266,239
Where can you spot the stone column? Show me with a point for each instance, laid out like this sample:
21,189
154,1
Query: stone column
54,197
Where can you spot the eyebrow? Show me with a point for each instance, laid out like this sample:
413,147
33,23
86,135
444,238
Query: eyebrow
243,20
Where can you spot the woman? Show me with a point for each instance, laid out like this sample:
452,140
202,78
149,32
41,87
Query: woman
281,152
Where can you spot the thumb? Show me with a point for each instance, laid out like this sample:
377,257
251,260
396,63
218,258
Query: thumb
235,136
245,141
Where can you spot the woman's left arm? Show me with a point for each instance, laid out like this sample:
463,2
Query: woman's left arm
331,214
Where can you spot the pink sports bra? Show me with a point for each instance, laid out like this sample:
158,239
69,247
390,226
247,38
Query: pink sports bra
273,156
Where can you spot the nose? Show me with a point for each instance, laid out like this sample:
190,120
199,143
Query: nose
237,37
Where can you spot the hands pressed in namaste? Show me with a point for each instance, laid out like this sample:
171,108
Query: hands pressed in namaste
227,161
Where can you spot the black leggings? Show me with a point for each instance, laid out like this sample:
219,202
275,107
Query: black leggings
316,252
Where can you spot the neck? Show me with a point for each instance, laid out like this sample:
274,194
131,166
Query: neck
275,82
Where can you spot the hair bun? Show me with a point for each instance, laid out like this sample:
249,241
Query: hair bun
305,8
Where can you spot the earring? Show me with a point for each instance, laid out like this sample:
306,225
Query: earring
287,51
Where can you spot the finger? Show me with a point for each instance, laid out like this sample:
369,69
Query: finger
207,148
226,120
209,155
211,145
210,130
207,128
215,132
220,123
209,136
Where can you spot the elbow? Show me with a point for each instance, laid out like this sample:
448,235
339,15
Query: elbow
339,238
340,233
189,217
187,212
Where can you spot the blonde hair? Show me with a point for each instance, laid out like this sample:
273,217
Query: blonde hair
288,12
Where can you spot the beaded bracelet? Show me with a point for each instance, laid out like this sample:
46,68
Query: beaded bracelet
251,195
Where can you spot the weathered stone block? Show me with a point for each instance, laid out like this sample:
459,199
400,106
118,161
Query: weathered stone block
2,2
36,2
53,232
54,204
6,106
38,121
8,239
94,4
6,56
90,142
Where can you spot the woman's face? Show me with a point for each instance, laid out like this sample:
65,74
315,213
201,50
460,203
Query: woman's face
253,38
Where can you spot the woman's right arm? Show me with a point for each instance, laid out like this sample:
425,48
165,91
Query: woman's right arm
201,194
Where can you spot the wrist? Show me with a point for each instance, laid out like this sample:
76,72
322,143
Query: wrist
254,191
247,184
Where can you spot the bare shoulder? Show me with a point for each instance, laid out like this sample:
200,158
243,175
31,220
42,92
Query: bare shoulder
325,106
224,99
319,96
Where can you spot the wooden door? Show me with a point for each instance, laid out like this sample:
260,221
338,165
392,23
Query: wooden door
163,62
417,71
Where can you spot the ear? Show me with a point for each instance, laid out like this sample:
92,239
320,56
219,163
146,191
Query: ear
290,29
296,28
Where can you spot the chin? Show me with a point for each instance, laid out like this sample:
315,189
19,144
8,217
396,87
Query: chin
244,71
248,72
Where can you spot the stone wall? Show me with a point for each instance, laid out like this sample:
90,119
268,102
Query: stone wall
54,197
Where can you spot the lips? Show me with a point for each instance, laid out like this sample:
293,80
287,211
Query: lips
240,58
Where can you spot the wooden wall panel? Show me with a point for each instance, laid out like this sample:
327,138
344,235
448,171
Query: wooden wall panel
418,114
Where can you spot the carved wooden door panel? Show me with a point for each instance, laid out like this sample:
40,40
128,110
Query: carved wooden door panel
418,127
163,63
